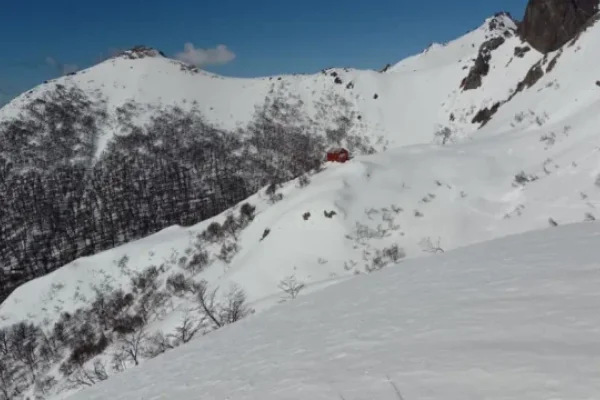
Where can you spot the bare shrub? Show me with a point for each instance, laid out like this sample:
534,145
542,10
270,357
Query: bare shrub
198,261
427,245
187,329
217,315
178,284
303,181
291,287
444,134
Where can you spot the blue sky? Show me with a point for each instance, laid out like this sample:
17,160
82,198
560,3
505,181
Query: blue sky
41,38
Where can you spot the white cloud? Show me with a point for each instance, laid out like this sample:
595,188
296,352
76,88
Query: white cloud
202,57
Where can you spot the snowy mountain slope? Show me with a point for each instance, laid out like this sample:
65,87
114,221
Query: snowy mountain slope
401,106
533,165
514,318
461,194
423,199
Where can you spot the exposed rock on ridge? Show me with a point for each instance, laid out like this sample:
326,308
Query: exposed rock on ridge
549,24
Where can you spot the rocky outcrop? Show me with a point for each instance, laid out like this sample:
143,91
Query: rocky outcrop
140,51
482,64
521,51
549,24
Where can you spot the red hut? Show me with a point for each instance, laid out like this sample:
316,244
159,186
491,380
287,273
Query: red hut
338,155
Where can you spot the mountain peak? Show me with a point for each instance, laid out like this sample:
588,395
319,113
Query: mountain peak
501,22
140,51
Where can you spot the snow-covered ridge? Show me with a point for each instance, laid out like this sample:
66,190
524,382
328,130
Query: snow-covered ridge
398,109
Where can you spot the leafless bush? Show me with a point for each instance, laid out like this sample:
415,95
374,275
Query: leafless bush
549,139
132,345
428,246
228,251
589,217
384,257
144,281
187,329
157,344
178,284
291,287
522,178
303,181
213,232
444,134
234,307
394,253
272,193
217,315
247,211
198,261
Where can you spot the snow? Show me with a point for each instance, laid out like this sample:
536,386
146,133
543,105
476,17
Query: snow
514,318
510,318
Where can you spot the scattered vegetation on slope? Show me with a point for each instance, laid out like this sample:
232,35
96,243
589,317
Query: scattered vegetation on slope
61,202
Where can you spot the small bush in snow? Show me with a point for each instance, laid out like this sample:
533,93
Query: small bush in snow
178,284
549,139
303,181
217,315
394,253
427,245
589,217
145,280
213,232
272,194
198,261
382,258
522,178
291,287
228,251
247,213
444,134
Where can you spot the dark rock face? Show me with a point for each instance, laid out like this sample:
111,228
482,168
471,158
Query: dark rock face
549,24
140,51
482,64
484,115
521,51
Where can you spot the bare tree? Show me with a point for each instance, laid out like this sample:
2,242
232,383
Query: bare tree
428,246
8,380
158,344
291,287
133,345
206,300
25,340
445,134
235,307
188,328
